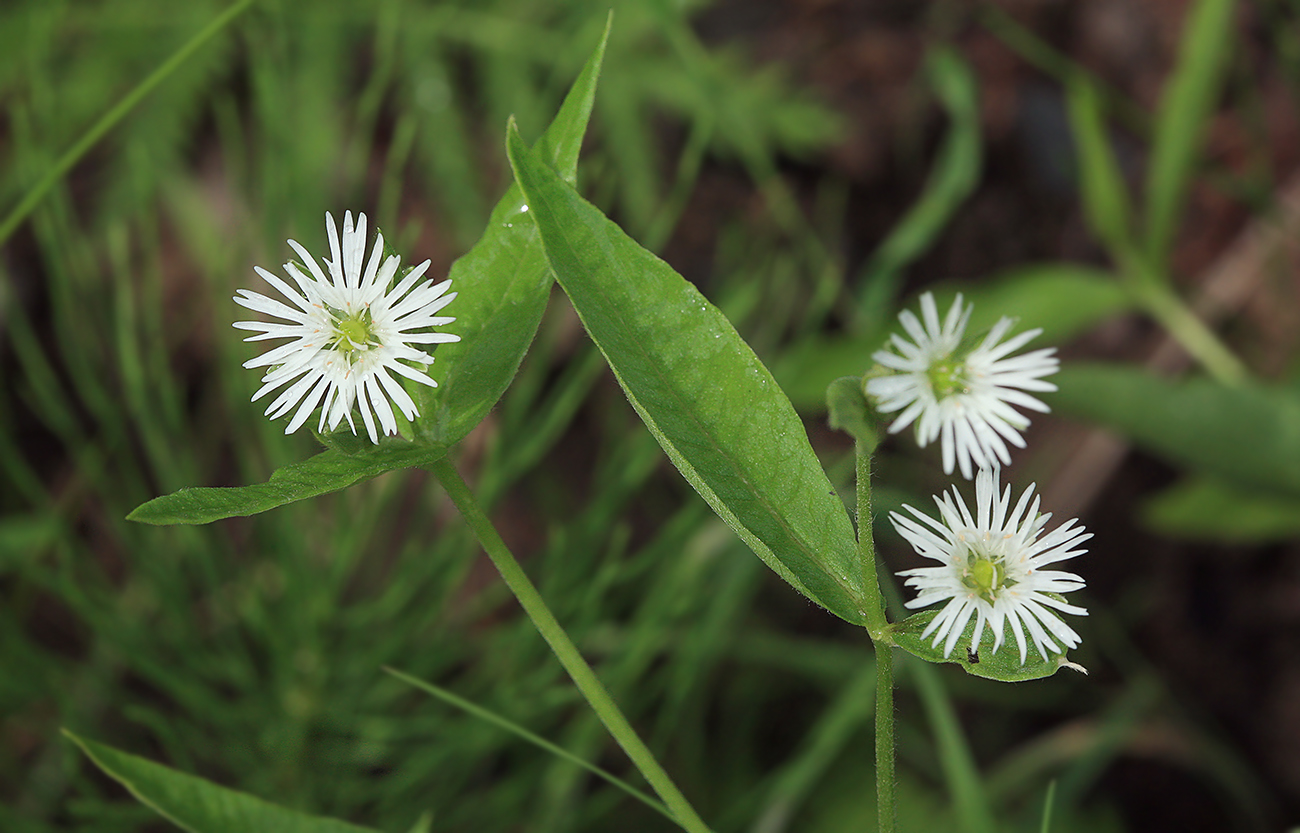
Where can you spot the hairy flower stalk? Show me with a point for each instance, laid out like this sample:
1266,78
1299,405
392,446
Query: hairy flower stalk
959,394
991,567
350,333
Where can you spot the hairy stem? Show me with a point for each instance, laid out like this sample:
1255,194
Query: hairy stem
885,799
877,627
876,621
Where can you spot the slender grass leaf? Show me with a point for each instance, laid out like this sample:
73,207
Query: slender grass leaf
514,728
1105,196
503,283
1004,665
1045,826
327,472
1249,435
200,806
1189,97
955,175
424,824
115,114
709,401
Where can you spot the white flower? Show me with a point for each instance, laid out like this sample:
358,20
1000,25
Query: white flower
962,396
991,567
349,333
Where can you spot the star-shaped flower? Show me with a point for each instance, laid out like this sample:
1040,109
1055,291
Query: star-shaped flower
991,566
960,394
350,330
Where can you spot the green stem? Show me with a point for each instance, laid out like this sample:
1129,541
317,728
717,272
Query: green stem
565,651
877,624
878,628
113,116
885,799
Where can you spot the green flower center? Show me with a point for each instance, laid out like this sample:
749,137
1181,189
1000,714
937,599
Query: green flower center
353,332
985,573
947,377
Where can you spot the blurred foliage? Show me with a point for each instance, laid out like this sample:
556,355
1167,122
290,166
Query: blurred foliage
249,652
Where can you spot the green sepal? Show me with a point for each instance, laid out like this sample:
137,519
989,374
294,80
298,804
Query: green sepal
850,412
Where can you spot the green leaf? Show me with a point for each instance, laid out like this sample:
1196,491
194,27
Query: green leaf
708,400
200,806
849,411
955,174
1209,509
327,472
1004,665
1249,435
1105,196
1184,109
503,284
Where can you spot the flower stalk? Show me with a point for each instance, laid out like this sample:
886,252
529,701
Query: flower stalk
878,629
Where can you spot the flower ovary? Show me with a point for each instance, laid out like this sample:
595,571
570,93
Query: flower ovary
985,573
947,377
353,332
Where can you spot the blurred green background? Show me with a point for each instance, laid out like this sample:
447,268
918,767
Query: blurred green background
811,165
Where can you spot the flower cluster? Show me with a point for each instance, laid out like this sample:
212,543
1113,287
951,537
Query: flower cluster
960,394
350,332
965,393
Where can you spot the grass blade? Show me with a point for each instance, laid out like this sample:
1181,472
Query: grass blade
115,115
537,740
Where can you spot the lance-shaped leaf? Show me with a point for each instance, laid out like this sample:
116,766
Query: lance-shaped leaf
503,284
200,806
708,400
1003,665
327,472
